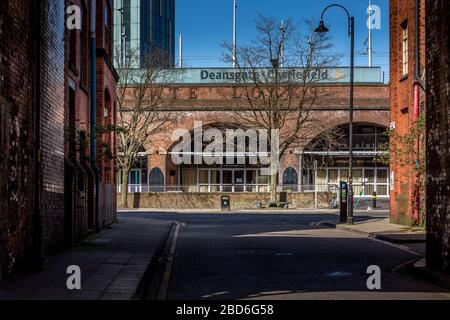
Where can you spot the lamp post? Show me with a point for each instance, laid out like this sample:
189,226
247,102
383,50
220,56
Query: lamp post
351,32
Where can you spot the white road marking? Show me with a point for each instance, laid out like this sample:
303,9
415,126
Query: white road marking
167,272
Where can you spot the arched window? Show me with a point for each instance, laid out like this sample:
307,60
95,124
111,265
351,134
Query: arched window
156,180
107,106
290,179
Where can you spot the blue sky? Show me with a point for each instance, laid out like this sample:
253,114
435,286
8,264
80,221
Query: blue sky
206,24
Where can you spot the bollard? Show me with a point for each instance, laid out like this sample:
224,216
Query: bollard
374,200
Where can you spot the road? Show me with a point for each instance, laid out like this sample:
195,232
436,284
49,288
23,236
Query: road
281,256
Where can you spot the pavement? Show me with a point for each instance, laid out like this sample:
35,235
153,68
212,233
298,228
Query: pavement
382,229
112,264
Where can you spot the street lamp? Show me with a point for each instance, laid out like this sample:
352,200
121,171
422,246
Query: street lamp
351,32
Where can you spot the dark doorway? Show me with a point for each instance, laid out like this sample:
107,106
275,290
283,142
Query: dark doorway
156,180
290,179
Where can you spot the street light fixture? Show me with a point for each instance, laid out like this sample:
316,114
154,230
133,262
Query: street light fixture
351,32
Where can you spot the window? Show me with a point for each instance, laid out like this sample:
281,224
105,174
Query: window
290,179
84,47
405,50
106,24
73,49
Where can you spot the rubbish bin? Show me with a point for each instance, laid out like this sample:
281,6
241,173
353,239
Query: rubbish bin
225,203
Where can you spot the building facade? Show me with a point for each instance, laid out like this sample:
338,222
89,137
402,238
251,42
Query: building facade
438,134
47,190
143,27
213,97
407,104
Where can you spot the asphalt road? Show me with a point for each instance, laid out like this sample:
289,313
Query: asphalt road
282,256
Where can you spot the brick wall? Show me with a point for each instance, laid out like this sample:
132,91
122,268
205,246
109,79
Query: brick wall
16,134
402,12
438,135
34,98
239,201
106,114
52,124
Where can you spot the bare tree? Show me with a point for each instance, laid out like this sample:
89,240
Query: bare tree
141,107
280,72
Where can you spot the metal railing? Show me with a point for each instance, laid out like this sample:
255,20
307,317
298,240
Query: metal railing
381,189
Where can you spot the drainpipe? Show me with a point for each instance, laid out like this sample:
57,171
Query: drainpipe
417,85
93,46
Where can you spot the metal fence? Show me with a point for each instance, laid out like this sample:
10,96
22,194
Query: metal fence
360,191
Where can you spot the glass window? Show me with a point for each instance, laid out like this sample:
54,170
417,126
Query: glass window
405,48
382,190
189,177
263,179
203,177
369,176
357,176
344,175
239,177
135,176
369,189
290,177
333,176
251,177
106,22
382,176
215,177
227,177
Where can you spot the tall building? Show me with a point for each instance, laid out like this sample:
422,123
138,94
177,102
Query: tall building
143,29
407,104
438,135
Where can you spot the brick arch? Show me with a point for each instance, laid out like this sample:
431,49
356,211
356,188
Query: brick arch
207,125
342,118
345,123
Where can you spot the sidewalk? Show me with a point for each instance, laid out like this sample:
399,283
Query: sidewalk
269,211
381,229
112,264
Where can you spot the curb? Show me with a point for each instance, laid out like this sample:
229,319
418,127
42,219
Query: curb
375,235
398,241
424,274
144,283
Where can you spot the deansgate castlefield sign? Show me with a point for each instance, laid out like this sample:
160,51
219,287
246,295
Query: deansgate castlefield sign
237,76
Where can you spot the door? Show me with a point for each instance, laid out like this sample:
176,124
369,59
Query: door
156,180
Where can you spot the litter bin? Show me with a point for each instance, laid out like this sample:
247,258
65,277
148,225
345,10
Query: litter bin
225,203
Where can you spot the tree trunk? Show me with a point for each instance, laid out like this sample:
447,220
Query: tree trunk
273,187
125,174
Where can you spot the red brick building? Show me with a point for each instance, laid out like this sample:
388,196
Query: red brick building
438,134
214,103
407,63
47,187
